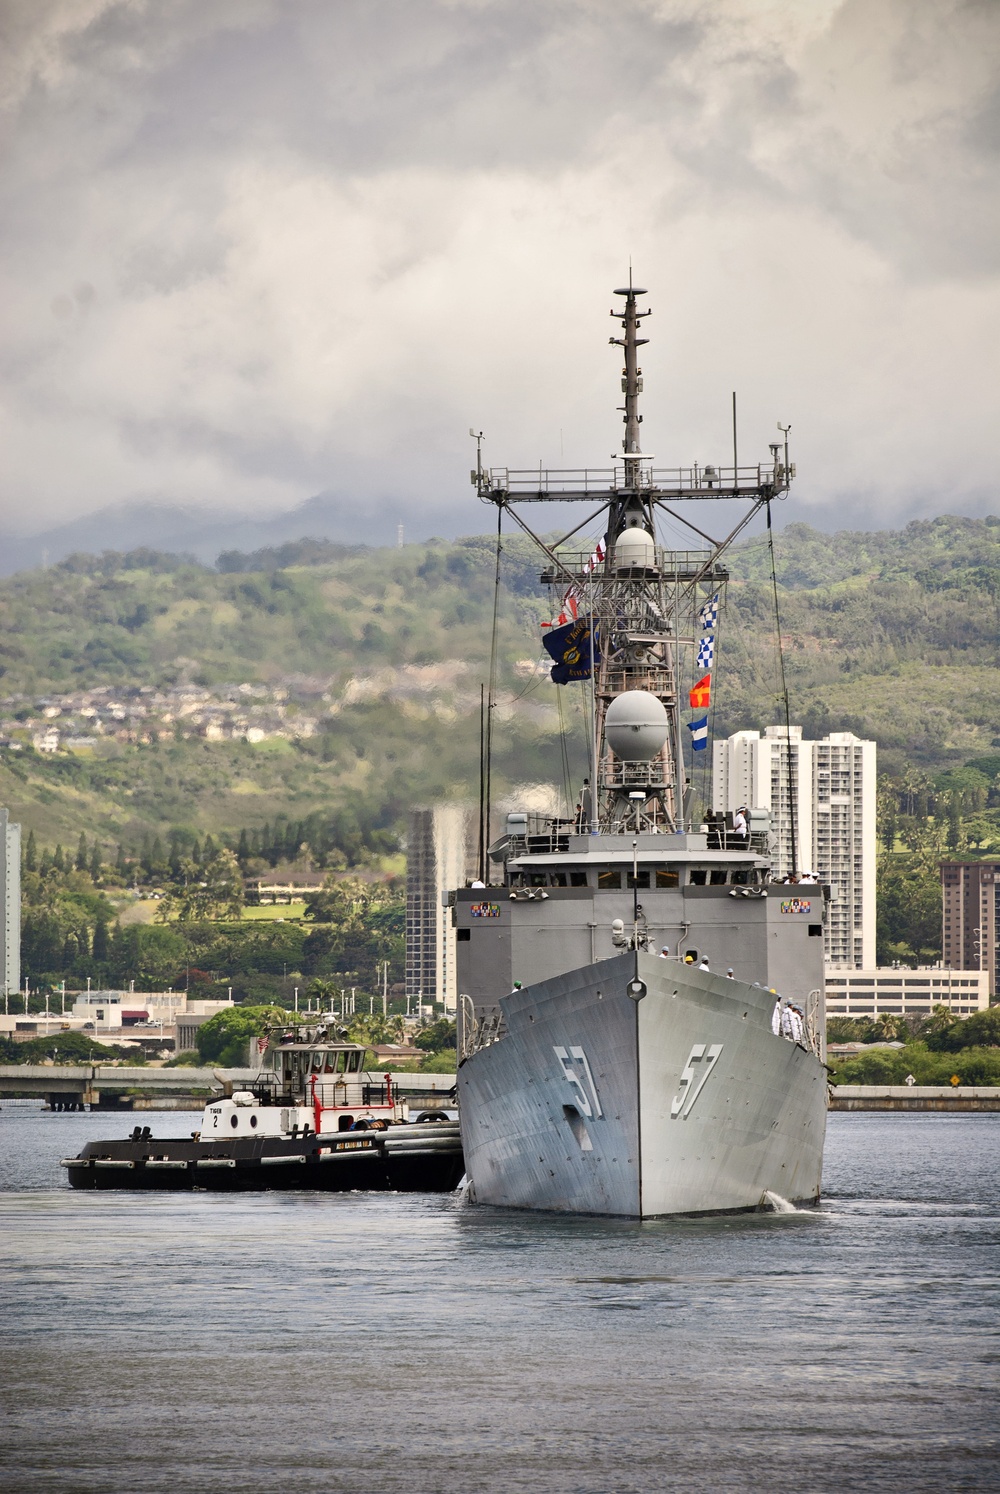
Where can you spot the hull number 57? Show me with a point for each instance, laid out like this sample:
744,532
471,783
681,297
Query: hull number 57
577,1070
693,1078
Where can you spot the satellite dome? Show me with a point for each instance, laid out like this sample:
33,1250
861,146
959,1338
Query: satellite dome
635,549
636,725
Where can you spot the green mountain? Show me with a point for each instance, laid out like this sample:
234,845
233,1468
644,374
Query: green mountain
325,680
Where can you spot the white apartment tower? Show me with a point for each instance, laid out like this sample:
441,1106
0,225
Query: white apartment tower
10,903
822,795
437,861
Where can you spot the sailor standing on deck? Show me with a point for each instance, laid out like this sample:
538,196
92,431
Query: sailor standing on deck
740,829
776,1018
704,964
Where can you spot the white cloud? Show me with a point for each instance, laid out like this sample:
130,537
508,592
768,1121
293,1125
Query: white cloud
256,250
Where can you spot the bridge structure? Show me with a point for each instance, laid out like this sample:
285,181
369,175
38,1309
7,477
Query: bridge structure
106,1087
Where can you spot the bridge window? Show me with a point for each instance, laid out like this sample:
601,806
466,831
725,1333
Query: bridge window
666,876
639,878
697,877
578,879
718,879
609,877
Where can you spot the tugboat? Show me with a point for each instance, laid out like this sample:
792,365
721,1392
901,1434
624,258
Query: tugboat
314,1117
641,1029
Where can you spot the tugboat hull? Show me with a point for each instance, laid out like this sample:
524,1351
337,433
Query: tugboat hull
407,1158
640,1087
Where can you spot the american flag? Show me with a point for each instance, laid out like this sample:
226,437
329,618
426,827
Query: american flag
569,609
262,1045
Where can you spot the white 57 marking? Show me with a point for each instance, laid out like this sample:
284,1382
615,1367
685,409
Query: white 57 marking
568,1060
690,1089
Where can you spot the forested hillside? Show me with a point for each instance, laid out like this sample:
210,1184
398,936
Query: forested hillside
322,680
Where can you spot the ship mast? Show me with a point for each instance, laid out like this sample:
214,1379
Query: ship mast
641,599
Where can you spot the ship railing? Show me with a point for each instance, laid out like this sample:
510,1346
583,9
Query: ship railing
264,1087
620,773
657,681
679,565
534,484
724,838
342,1094
535,845
482,1032
815,1025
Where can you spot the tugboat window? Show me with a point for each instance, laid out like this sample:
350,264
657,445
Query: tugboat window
698,878
609,877
666,876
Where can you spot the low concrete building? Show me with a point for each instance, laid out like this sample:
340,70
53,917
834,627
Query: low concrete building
112,1010
866,993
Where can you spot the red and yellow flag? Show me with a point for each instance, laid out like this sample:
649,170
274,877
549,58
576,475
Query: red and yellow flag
701,694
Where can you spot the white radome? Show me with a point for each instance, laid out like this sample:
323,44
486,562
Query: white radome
635,549
636,725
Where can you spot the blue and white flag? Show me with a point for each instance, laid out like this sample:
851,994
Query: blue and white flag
709,614
699,734
706,653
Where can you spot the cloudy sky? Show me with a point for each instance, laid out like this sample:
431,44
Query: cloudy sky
254,250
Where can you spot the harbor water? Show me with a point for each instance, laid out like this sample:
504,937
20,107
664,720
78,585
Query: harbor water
381,1342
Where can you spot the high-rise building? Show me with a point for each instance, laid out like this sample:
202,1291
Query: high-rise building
437,861
821,798
10,902
971,916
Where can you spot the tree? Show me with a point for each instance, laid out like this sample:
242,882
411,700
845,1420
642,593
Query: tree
68,1047
908,924
372,1027
225,1038
58,859
95,862
983,1028
31,853
210,892
81,853
101,943
440,1034
153,956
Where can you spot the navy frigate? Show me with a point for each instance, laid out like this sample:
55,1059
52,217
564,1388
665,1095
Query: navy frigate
641,1019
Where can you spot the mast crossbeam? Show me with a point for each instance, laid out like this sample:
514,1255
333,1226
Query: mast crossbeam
763,482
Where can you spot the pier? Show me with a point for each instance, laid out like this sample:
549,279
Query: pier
914,1097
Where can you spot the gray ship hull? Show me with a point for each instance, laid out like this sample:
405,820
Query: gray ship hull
642,1087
